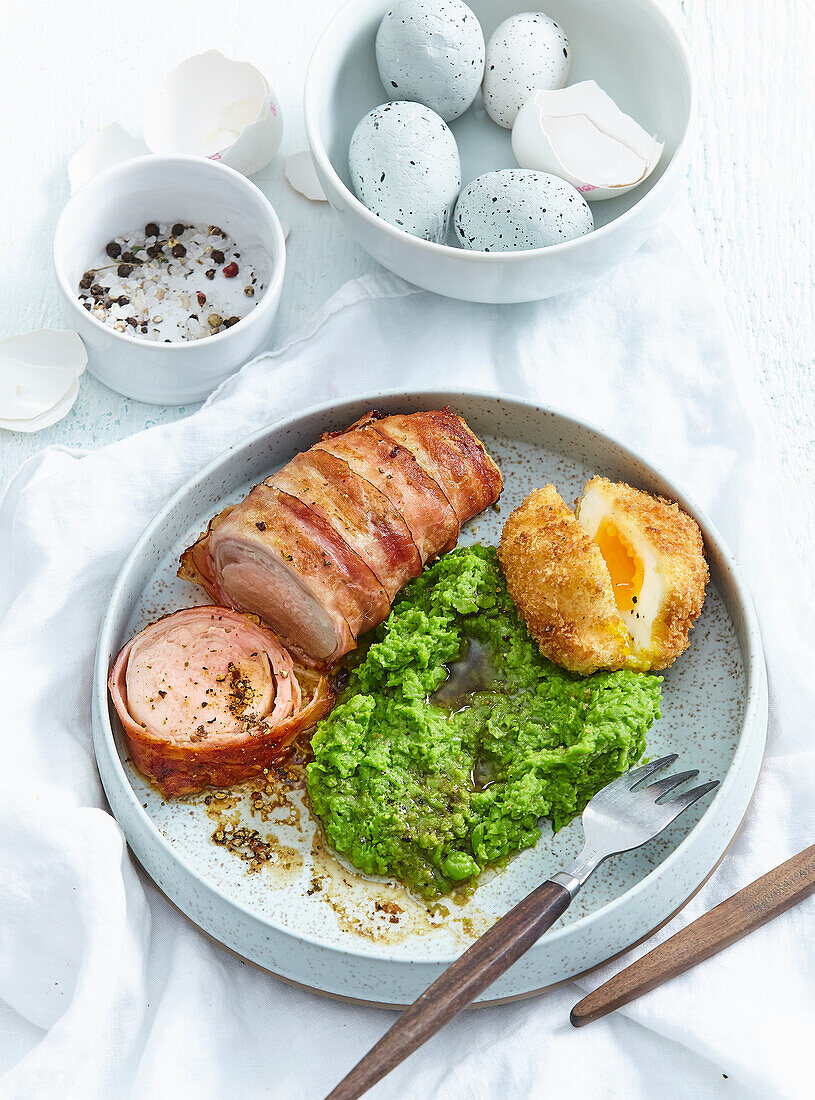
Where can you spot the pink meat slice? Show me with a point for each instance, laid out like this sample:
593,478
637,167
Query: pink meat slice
208,696
202,674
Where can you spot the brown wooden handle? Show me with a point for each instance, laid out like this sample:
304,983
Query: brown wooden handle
752,907
461,983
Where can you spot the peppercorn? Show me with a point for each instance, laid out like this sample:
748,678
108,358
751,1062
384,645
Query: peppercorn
230,321
216,231
97,291
130,258
249,291
131,321
231,270
210,273
214,320
179,250
124,270
122,300
86,280
217,255
153,250
151,230
178,229
113,249
201,297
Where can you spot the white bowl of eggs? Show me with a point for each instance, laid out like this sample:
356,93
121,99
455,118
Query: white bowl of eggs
497,154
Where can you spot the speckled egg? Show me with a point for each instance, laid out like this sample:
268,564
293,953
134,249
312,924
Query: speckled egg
431,51
515,209
405,168
527,53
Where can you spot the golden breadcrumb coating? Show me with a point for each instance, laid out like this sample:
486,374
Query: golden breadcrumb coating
676,541
559,582
564,587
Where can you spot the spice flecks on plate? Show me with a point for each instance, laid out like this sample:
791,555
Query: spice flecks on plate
172,281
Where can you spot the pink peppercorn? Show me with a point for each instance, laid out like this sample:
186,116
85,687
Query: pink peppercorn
231,270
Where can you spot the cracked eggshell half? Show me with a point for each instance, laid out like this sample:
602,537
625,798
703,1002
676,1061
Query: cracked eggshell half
580,134
211,106
405,168
108,146
432,52
39,378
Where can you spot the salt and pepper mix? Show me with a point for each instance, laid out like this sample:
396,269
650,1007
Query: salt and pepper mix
171,282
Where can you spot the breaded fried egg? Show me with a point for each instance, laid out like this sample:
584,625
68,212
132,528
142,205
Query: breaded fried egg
656,561
618,583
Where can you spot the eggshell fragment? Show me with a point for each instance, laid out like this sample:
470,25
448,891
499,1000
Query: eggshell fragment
302,176
526,52
432,52
39,378
109,145
211,106
580,134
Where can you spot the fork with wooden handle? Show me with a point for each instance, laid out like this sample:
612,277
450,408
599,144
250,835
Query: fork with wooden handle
744,912
624,815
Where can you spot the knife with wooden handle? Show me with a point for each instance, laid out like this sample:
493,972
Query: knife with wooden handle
750,908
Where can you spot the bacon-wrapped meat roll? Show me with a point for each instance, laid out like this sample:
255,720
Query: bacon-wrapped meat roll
321,548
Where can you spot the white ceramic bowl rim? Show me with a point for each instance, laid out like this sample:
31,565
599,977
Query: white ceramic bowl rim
110,176
319,153
755,672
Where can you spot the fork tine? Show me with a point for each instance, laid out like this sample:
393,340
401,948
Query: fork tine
662,786
682,801
633,778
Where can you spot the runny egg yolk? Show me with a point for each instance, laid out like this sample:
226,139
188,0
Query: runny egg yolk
624,564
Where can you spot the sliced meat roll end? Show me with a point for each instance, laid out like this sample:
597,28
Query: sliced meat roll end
208,696
274,557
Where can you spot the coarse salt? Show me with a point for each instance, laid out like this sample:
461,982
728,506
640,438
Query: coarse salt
169,281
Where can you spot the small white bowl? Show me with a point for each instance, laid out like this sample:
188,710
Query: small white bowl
629,47
172,188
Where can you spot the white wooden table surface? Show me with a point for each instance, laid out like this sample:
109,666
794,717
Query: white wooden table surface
67,68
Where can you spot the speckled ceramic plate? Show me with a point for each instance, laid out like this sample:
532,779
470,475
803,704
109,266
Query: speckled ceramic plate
310,919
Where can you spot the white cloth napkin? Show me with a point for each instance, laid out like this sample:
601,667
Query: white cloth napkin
105,991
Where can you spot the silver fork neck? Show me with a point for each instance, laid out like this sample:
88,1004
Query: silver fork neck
578,871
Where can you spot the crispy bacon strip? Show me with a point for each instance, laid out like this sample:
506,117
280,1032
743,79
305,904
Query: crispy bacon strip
365,518
451,455
425,509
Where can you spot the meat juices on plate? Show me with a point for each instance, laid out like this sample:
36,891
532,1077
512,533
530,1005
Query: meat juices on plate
320,549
